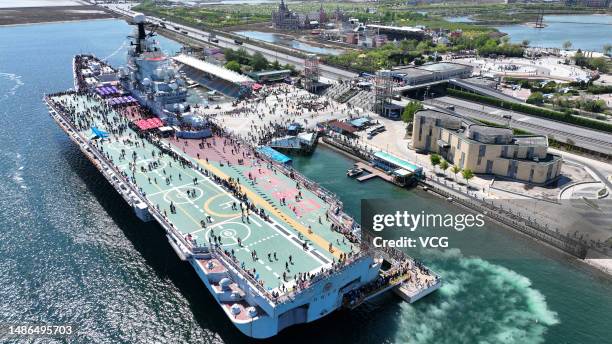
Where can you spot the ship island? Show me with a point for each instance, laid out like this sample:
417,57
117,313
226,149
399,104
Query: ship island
273,248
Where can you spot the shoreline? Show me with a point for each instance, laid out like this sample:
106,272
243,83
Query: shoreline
600,266
57,22
41,15
603,265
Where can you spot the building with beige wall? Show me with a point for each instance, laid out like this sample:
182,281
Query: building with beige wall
485,149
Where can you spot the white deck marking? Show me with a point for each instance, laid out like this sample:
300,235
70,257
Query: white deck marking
274,222
220,225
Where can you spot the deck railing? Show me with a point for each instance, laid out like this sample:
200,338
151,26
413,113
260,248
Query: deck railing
231,264
216,252
328,196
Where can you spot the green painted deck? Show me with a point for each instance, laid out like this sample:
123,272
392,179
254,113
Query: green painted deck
211,200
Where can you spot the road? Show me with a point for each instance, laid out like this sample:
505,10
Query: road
326,71
590,139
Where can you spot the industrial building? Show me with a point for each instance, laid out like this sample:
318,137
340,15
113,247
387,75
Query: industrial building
398,32
484,149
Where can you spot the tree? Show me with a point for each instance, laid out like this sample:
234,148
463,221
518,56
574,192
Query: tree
467,175
525,43
607,49
567,45
444,166
536,98
435,160
410,110
258,62
275,65
291,68
241,55
455,169
233,65
598,63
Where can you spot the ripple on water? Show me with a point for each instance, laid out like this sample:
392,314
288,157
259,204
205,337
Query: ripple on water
479,300
14,83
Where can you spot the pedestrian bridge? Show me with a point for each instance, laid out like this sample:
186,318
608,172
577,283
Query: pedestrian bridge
484,90
480,89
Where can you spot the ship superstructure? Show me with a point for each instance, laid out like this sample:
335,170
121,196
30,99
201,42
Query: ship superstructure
273,248
150,76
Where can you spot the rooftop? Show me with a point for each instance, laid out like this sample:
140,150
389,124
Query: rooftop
342,125
403,164
442,67
428,69
271,72
469,124
396,28
218,71
531,140
411,71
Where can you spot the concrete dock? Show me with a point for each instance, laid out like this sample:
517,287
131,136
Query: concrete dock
373,173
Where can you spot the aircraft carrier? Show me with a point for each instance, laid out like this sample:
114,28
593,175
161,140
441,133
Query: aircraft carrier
273,248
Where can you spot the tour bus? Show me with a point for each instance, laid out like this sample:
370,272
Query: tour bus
375,130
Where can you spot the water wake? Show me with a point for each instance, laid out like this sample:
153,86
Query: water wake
115,52
16,79
16,172
480,302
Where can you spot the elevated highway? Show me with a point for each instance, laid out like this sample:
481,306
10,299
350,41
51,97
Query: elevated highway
593,140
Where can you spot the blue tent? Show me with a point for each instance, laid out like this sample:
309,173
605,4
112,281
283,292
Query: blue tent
99,133
274,154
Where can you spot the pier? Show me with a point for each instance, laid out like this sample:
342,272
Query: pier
373,173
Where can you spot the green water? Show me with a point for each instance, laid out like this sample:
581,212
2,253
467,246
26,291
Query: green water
71,251
526,294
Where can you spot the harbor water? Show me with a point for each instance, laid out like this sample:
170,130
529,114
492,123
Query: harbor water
72,252
586,32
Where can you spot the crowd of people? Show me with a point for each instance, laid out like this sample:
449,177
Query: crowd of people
87,110
405,271
275,108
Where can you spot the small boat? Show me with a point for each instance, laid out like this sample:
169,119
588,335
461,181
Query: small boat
354,172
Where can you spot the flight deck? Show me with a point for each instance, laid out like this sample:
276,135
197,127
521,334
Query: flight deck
200,208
